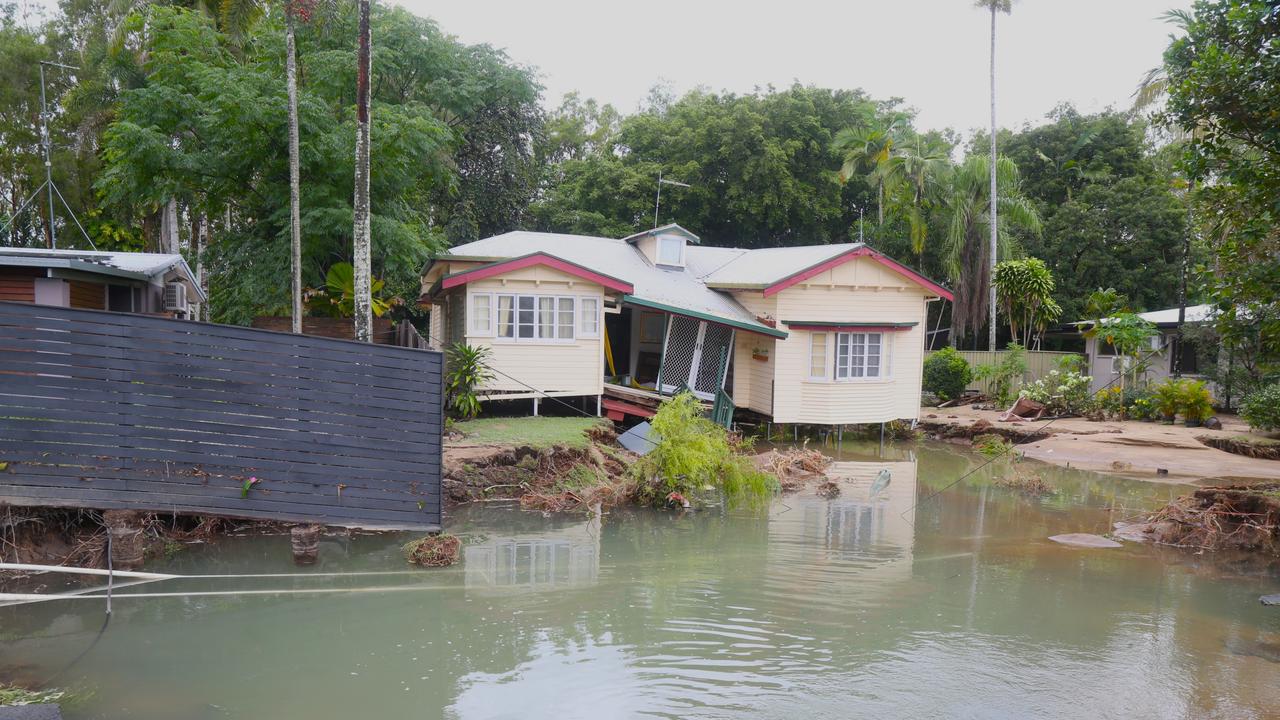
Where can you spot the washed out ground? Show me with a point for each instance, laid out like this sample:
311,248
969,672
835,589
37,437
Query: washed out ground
1131,448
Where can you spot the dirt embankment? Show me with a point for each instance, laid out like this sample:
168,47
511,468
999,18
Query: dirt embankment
1145,450
1237,517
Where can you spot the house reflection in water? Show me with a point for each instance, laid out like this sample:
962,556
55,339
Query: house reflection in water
860,541
545,560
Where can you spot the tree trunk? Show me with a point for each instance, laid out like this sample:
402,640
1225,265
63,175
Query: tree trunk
169,228
201,242
880,203
295,223
361,262
991,338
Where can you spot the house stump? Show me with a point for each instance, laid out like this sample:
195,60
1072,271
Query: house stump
305,540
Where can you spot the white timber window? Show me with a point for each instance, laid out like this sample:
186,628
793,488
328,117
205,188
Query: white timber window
532,318
860,356
481,315
670,250
589,317
818,356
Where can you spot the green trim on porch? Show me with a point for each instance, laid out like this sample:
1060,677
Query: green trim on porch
748,327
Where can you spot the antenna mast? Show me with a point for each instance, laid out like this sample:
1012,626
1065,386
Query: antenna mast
658,200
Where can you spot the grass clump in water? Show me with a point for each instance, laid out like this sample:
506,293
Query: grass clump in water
14,695
991,445
433,550
694,456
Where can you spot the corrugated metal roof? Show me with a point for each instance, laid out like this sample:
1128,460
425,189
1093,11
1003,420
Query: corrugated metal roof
1169,316
121,264
765,266
675,287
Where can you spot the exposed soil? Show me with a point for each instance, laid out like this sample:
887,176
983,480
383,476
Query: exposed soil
1260,448
1238,517
1150,451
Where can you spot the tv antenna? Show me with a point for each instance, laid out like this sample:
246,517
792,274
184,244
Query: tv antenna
48,186
658,200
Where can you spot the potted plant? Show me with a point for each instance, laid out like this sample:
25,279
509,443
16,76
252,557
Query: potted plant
760,353
1165,399
1195,402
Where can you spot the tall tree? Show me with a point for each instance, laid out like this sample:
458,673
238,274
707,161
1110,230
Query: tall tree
1004,6
867,149
970,213
295,173
361,233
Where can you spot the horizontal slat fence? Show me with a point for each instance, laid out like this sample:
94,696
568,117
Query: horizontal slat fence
113,410
1039,363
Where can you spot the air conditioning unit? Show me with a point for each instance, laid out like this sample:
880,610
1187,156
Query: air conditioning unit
175,298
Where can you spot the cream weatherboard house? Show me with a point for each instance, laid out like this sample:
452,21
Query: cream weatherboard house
819,334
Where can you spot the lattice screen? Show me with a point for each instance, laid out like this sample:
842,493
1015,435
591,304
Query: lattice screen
715,345
682,344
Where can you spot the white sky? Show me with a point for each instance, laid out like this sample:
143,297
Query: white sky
931,53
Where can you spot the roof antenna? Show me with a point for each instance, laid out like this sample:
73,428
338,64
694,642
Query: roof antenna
48,184
658,200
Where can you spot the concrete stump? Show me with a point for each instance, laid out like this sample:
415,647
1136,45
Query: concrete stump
125,530
305,540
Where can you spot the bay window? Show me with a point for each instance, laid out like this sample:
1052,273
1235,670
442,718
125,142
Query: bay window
848,356
530,318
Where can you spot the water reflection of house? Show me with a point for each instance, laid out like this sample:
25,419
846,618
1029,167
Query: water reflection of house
859,537
563,557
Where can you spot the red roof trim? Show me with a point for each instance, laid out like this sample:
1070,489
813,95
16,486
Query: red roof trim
850,328
539,258
848,255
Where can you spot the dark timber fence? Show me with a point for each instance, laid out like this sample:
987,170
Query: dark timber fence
112,410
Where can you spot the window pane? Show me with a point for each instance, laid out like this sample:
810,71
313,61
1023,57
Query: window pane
590,308
818,355
546,317
564,319
669,251
480,313
524,316
506,316
842,355
873,354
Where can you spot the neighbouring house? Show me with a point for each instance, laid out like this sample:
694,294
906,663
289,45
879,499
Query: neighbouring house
819,334
1105,365
134,282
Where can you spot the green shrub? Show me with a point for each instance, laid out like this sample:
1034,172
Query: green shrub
1166,399
1194,401
693,455
1139,403
1004,374
1062,393
1261,408
947,374
467,368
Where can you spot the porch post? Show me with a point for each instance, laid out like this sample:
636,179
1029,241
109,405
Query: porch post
598,405
662,361
535,406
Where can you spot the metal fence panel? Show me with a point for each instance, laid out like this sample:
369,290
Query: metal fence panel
114,410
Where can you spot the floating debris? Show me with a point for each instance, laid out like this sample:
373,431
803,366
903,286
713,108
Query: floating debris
1085,540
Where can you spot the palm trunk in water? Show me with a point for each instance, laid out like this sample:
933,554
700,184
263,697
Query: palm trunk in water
295,224
361,261
991,294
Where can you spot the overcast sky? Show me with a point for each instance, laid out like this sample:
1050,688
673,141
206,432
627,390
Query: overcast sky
931,53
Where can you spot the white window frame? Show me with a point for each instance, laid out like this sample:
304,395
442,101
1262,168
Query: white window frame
584,314
474,315
826,356
883,369
680,242
557,307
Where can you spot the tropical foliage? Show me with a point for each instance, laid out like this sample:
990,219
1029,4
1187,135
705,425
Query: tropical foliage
1004,374
1261,408
466,370
1024,290
946,373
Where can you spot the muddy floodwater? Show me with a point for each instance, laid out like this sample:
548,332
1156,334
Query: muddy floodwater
926,600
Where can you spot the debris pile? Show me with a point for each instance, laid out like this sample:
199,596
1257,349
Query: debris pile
794,468
433,550
1237,517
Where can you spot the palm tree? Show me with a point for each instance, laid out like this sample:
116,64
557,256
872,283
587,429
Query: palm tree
1006,7
361,238
971,213
866,149
920,170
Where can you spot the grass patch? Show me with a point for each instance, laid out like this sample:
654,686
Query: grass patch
535,432
13,695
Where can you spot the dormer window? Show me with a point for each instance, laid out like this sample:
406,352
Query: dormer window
663,246
670,250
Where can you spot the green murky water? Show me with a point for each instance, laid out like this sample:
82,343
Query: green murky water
926,601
